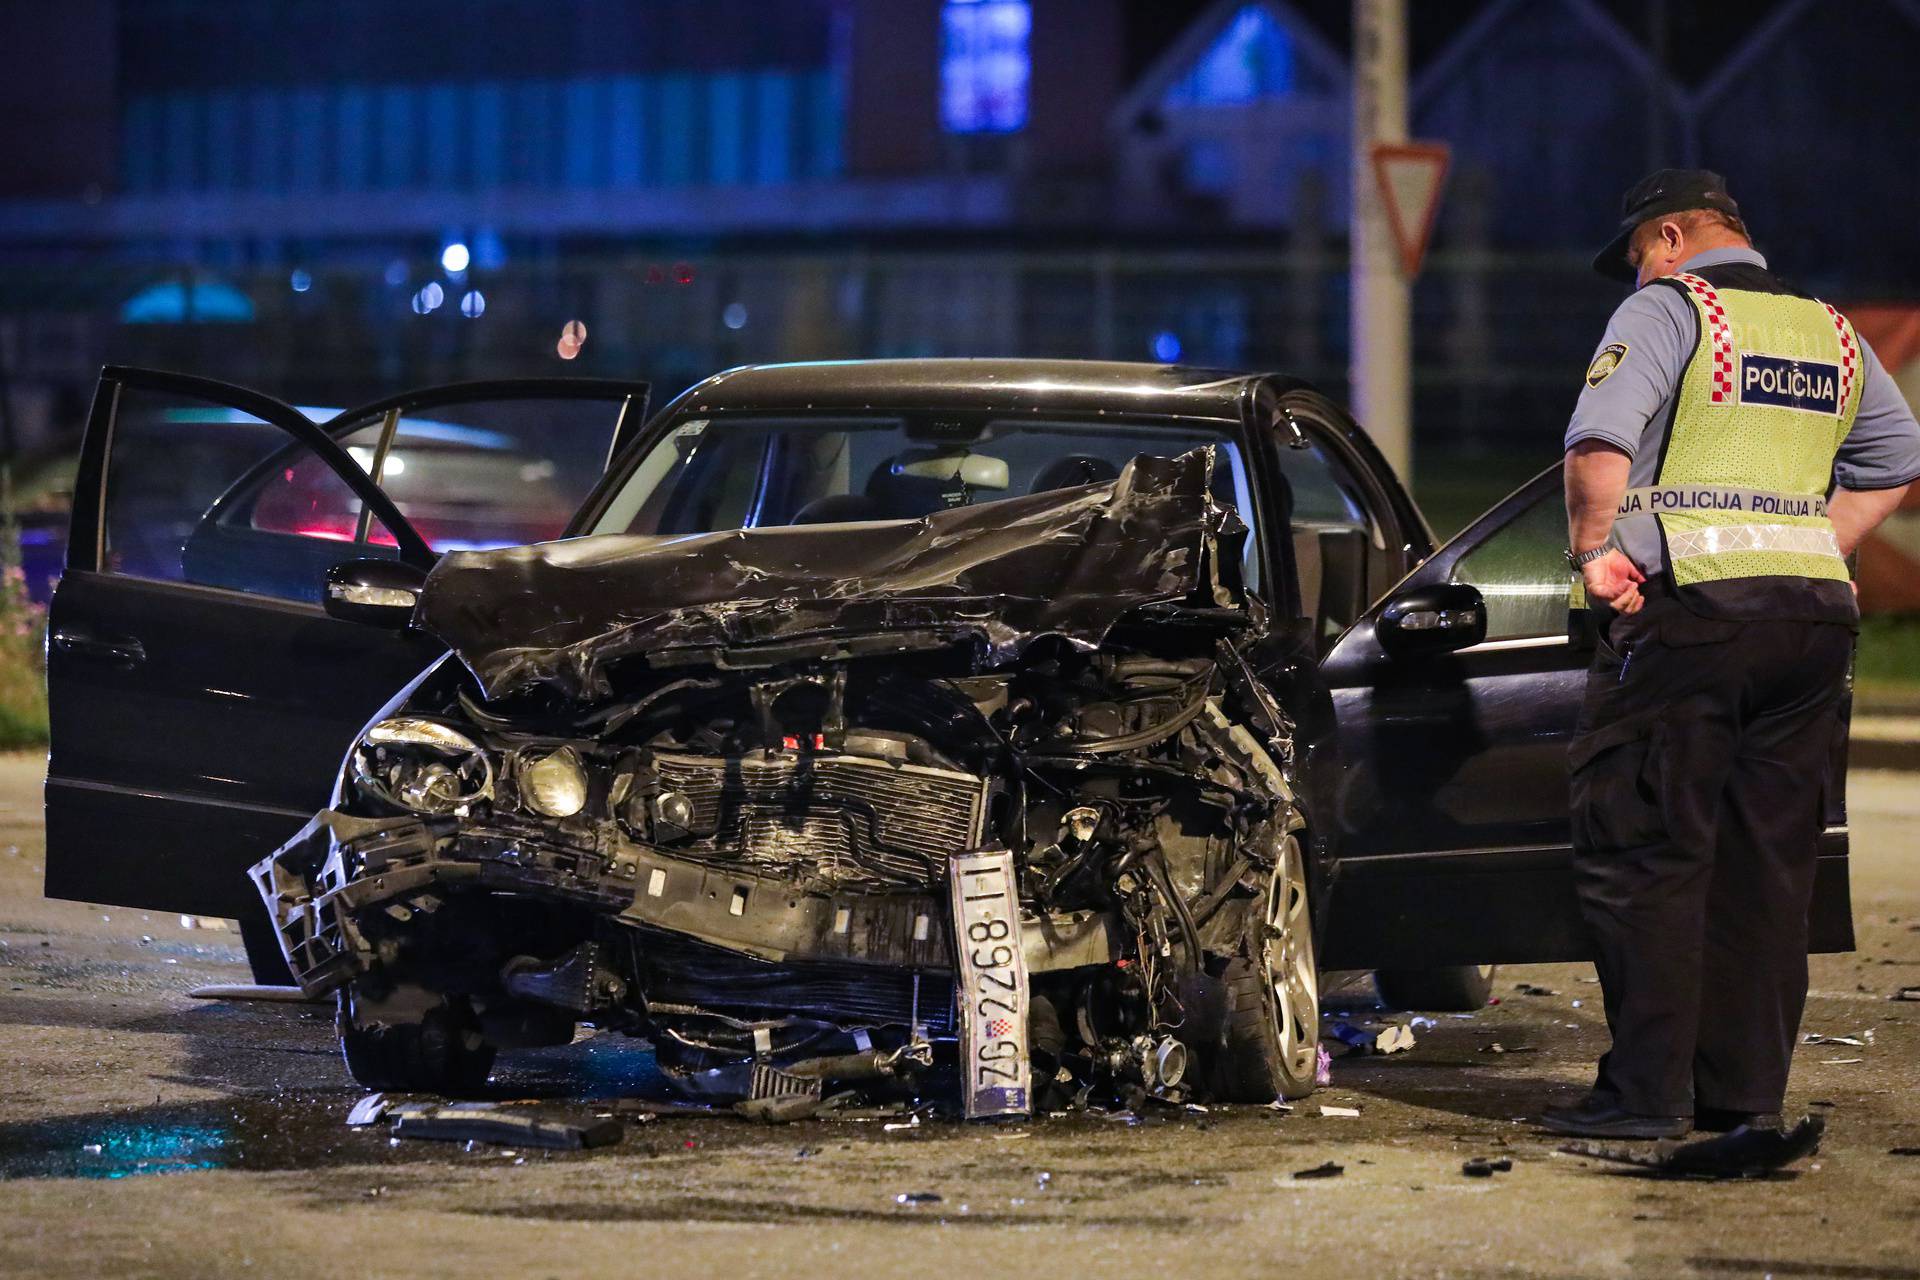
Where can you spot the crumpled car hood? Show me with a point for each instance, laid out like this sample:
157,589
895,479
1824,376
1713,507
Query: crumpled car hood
1067,563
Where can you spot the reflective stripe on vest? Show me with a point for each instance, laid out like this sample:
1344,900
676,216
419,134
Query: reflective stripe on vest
1768,396
1722,538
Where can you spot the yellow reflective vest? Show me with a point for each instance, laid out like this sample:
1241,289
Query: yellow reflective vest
1767,397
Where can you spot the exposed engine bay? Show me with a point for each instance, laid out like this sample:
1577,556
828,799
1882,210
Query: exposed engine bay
987,806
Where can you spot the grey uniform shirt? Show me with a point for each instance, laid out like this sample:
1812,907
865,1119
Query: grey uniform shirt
1629,409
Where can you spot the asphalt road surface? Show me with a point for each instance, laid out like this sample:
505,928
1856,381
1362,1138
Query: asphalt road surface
144,1133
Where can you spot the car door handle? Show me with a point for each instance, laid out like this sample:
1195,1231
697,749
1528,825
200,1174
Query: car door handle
123,652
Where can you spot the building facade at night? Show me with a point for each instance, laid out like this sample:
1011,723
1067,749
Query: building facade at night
280,192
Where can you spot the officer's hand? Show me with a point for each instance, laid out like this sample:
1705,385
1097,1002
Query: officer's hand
1613,580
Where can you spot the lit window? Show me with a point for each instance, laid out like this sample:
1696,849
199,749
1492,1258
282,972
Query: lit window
984,65
1252,59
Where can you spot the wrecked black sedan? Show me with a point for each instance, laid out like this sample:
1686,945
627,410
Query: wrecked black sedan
1025,727
997,774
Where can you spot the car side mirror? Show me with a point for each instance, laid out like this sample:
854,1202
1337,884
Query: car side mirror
379,593
1432,620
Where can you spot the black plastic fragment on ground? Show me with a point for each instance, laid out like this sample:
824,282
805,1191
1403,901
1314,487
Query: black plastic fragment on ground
1327,1170
447,1125
1744,1153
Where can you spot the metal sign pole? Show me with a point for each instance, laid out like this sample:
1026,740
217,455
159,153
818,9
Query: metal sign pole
1380,311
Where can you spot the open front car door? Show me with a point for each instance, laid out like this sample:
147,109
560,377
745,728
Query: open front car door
232,612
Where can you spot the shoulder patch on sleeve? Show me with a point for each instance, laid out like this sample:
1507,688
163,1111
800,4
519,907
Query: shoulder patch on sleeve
1605,363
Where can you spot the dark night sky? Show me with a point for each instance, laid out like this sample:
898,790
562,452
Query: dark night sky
193,43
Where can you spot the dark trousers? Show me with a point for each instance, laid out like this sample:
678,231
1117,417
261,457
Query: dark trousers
1698,784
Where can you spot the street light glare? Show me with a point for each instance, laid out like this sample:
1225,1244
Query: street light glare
455,258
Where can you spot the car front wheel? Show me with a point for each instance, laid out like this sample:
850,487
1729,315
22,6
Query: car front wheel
1272,1043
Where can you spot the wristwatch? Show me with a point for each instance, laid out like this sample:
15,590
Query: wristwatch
1576,563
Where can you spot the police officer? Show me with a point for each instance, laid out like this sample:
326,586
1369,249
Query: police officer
1734,442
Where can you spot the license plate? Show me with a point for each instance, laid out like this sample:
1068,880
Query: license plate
992,976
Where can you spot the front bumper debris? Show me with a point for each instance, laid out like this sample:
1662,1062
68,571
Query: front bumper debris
317,904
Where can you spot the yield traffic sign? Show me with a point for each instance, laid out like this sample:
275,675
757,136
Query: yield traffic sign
1410,175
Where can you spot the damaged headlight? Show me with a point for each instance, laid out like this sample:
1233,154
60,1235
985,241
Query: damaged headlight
553,782
422,766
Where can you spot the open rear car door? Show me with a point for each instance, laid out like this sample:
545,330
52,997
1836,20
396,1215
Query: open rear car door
1452,791
202,691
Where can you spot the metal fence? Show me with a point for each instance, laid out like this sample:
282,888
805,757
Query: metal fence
1500,340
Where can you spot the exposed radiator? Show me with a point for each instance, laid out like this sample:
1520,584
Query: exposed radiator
681,971
843,821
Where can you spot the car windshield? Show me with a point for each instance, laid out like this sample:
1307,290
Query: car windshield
747,472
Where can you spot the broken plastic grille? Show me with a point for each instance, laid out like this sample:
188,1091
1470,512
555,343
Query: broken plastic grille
847,821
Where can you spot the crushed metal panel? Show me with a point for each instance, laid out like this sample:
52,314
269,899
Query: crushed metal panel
1066,562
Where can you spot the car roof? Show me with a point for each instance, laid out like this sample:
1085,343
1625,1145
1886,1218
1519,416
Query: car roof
993,385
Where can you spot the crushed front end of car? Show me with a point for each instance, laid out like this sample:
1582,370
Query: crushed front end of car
987,806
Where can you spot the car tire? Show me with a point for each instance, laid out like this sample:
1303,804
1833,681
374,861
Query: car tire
1453,989
440,1052
1271,1044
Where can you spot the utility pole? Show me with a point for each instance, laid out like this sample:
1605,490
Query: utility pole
1380,311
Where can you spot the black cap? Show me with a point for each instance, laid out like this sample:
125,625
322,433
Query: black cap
1661,192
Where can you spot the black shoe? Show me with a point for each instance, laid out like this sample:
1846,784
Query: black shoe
1595,1118
1716,1120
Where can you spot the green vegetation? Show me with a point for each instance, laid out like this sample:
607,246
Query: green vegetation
1889,660
23,624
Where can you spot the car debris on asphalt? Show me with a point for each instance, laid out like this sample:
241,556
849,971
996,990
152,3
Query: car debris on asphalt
369,1109
250,991
497,1123
1487,1166
1394,1037
1327,1170
1744,1153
